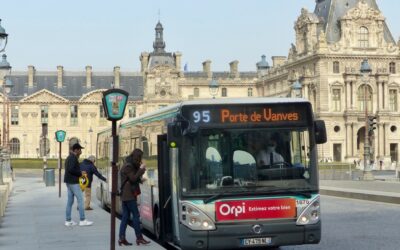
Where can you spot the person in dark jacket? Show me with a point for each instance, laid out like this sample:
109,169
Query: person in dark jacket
131,175
87,165
71,179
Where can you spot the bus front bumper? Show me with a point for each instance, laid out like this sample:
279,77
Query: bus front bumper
232,236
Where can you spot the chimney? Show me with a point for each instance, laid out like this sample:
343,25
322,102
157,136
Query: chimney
88,77
234,69
60,76
31,75
117,70
207,68
178,56
144,59
278,61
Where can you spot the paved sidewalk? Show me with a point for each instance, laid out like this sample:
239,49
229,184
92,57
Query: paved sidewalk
35,216
381,191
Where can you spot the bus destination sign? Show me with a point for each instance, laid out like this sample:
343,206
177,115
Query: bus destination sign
247,114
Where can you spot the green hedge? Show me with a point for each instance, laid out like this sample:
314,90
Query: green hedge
33,163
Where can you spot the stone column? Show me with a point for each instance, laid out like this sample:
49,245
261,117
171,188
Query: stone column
380,96
354,95
386,142
386,95
349,145
354,136
348,95
380,139
306,93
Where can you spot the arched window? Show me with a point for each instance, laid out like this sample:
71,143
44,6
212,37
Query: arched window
363,37
250,92
15,146
72,141
224,92
365,96
196,92
392,68
336,67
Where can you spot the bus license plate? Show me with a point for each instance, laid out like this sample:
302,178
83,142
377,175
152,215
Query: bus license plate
256,241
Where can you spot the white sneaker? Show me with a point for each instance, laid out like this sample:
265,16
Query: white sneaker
70,223
85,223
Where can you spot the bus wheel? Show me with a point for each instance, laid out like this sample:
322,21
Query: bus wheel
157,228
102,202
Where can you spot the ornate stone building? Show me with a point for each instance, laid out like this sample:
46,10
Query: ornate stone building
71,101
326,58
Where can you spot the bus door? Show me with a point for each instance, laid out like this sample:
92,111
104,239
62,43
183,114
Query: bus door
165,192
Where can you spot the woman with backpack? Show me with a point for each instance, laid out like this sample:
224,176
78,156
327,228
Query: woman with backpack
131,174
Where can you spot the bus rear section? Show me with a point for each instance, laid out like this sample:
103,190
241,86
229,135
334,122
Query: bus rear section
240,175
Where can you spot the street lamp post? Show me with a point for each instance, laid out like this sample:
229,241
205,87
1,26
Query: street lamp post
7,85
3,38
365,73
213,87
91,132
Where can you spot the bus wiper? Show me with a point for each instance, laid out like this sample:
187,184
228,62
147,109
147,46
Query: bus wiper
214,197
302,193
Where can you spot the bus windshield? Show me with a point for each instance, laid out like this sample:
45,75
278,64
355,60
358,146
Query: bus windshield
241,160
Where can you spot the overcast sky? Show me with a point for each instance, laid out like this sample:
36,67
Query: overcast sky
104,34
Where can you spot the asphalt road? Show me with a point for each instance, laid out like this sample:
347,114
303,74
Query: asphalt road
356,224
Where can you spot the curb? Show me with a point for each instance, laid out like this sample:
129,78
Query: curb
386,197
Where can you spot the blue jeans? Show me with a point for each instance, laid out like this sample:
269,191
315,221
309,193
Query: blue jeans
74,190
129,207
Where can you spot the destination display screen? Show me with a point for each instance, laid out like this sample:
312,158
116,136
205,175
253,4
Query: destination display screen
247,114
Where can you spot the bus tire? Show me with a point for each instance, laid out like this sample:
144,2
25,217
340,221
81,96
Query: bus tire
157,228
102,202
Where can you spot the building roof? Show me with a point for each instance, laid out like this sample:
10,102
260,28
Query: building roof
331,11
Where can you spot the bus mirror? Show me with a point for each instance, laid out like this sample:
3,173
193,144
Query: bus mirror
190,130
320,132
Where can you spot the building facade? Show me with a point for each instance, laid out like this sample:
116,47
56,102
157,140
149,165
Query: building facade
326,57
44,102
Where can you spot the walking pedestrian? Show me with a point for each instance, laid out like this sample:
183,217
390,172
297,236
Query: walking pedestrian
131,174
71,178
88,166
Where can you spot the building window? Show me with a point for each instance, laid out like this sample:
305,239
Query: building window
393,100
132,111
196,92
250,92
74,115
336,68
224,92
14,115
336,100
15,146
392,68
102,121
365,96
364,37
44,114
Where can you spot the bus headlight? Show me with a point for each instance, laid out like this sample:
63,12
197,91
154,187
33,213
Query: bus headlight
195,219
311,214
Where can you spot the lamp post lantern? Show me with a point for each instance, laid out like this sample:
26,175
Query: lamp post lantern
213,87
365,71
3,38
297,88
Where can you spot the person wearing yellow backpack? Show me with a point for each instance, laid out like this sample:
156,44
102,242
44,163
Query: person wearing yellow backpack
71,179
